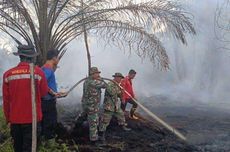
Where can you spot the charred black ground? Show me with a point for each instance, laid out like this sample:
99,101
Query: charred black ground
206,127
145,136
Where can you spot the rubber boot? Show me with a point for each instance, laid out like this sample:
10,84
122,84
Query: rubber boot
95,143
132,111
126,128
101,135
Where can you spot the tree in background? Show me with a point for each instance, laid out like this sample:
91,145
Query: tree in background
222,24
133,26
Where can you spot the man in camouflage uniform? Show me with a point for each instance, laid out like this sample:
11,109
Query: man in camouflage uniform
91,101
112,106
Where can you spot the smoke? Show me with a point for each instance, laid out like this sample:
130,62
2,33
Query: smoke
7,60
198,72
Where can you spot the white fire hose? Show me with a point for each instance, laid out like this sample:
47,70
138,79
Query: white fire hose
155,117
170,128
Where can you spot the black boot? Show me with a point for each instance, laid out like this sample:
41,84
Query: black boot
126,128
132,111
101,135
94,143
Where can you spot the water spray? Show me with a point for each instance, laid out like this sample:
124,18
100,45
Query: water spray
155,117
170,128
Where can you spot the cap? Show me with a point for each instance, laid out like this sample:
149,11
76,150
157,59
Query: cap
117,74
26,50
94,70
132,71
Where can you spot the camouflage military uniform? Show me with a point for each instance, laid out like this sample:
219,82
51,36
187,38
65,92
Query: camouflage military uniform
90,104
112,106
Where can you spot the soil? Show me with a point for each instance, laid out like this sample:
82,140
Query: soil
145,136
206,127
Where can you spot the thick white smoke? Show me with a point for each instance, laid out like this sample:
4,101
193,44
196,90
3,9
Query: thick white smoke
199,71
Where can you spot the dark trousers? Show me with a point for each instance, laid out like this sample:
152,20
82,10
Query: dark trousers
49,119
134,106
22,136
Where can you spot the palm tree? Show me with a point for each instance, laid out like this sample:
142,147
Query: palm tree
222,24
124,23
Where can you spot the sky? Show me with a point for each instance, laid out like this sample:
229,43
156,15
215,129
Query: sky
198,72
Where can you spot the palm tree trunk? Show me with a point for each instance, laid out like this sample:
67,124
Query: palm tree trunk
86,40
43,24
87,49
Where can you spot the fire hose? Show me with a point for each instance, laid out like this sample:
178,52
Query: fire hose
75,85
155,117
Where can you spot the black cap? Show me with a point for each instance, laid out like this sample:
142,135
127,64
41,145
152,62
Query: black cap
132,71
51,54
26,50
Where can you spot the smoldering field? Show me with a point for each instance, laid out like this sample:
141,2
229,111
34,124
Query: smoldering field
193,96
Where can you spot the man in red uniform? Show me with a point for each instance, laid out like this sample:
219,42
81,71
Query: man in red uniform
126,83
17,100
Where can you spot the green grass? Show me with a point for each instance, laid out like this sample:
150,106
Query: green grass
60,146
6,146
50,146
3,125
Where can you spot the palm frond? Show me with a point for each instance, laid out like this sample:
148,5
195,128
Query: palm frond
55,23
136,38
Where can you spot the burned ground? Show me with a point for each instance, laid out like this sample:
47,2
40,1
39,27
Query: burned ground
145,136
206,128
206,125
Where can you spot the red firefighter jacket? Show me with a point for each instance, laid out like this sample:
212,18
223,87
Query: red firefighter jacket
126,83
17,104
